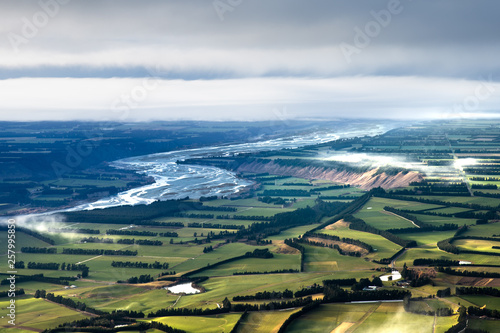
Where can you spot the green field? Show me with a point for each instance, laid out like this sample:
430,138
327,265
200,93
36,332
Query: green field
278,262
329,316
264,321
384,248
482,300
38,314
485,324
208,324
427,144
477,245
373,214
374,317
390,317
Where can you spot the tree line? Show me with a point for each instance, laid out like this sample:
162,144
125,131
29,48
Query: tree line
271,200
265,295
334,294
490,291
55,266
257,253
360,225
422,226
140,264
450,271
215,226
32,233
435,262
439,312
63,280
356,242
286,193
139,241
145,278
75,231
133,214
18,292
244,217
131,233
99,252
446,245
279,271
97,240
490,214
331,246
389,195
416,278
30,249
292,242
282,221
168,234
70,303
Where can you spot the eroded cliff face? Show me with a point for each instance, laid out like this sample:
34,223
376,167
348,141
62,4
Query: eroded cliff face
365,180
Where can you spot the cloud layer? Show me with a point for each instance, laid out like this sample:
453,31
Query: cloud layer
224,58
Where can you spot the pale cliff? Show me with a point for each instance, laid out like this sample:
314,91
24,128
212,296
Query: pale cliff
366,180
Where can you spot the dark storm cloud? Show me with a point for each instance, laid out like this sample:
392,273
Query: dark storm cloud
450,38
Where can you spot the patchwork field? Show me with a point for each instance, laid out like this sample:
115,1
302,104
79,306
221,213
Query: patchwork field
196,242
264,321
208,324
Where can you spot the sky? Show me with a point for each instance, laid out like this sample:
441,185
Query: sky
147,60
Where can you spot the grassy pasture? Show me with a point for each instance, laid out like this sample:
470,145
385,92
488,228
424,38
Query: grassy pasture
259,211
322,259
187,220
292,232
101,291
444,323
427,305
428,239
123,297
373,317
484,230
435,253
205,324
482,300
402,204
450,210
264,321
22,240
492,202
303,203
101,269
440,220
329,316
38,314
373,214
250,202
477,245
391,317
217,288
31,286
279,261
221,253
485,324
385,248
